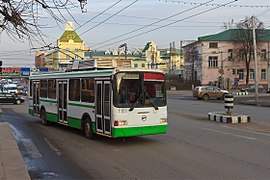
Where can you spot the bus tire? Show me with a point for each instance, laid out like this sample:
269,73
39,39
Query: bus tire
88,132
43,117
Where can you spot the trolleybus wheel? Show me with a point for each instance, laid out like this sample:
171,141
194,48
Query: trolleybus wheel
43,118
88,132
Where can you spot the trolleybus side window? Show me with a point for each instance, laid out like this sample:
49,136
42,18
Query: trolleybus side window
52,89
87,90
43,88
74,89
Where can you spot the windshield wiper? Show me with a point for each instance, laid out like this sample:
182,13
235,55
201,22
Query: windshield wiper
133,105
141,96
155,106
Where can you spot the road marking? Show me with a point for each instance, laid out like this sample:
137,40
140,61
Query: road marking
239,136
53,148
263,134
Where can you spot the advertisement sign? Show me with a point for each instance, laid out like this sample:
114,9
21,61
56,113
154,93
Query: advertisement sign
25,72
10,71
45,69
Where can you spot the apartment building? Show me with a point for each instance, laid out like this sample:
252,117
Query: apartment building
219,59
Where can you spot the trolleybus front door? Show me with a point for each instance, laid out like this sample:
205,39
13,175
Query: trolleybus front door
62,101
36,97
103,107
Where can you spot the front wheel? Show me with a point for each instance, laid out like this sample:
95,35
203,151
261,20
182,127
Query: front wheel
18,102
88,132
43,118
205,97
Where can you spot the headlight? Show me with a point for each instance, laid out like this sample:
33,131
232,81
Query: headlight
120,123
163,120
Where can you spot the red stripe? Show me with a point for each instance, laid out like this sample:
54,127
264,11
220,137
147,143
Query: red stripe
154,76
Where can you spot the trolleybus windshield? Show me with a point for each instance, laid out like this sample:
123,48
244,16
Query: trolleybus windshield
139,89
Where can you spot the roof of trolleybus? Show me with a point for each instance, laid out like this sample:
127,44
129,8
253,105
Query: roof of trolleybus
87,73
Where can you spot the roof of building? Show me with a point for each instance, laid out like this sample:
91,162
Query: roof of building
146,47
67,35
229,35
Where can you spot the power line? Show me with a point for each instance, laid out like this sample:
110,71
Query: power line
181,12
102,12
239,6
196,14
110,17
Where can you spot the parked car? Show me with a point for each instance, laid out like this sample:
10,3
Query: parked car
11,98
251,88
206,92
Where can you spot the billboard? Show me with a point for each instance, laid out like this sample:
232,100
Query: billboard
10,71
25,72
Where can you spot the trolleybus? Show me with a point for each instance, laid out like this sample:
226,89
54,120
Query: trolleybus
109,102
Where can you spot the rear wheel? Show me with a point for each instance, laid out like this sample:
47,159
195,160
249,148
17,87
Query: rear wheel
205,97
88,132
43,118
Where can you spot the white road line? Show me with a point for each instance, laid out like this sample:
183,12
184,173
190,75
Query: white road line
263,134
57,151
235,135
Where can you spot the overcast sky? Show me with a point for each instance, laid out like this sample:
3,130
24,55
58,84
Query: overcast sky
137,22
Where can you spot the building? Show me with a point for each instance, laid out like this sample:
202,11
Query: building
220,59
70,47
40,60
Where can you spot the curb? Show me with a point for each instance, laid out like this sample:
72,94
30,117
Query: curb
241,93
224,118
12,163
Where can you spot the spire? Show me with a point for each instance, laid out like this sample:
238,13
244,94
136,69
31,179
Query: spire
69,26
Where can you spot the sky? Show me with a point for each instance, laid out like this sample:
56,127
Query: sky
106,24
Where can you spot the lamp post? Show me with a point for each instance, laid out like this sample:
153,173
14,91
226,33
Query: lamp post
255,60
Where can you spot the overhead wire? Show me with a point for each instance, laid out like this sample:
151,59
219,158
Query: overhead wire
191,16
126,7
174,15
99,14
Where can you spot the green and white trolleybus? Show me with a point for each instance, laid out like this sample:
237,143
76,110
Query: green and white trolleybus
109,102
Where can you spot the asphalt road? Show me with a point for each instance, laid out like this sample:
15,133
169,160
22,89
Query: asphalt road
193,148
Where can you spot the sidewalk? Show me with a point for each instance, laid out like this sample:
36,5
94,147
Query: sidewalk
12,164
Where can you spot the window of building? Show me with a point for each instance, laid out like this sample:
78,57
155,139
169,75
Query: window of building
242,53
67,49
213,45
74,89
143,65
76,49
240,73
67,57
43,88
87,91
213,61
135,65
52,89
251,74
230,54
76,57
263,74
263,54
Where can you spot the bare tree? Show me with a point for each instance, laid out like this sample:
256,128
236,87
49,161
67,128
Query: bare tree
243,40
22,18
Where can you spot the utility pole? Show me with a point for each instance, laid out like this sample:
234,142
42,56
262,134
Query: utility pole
255,60
268,66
